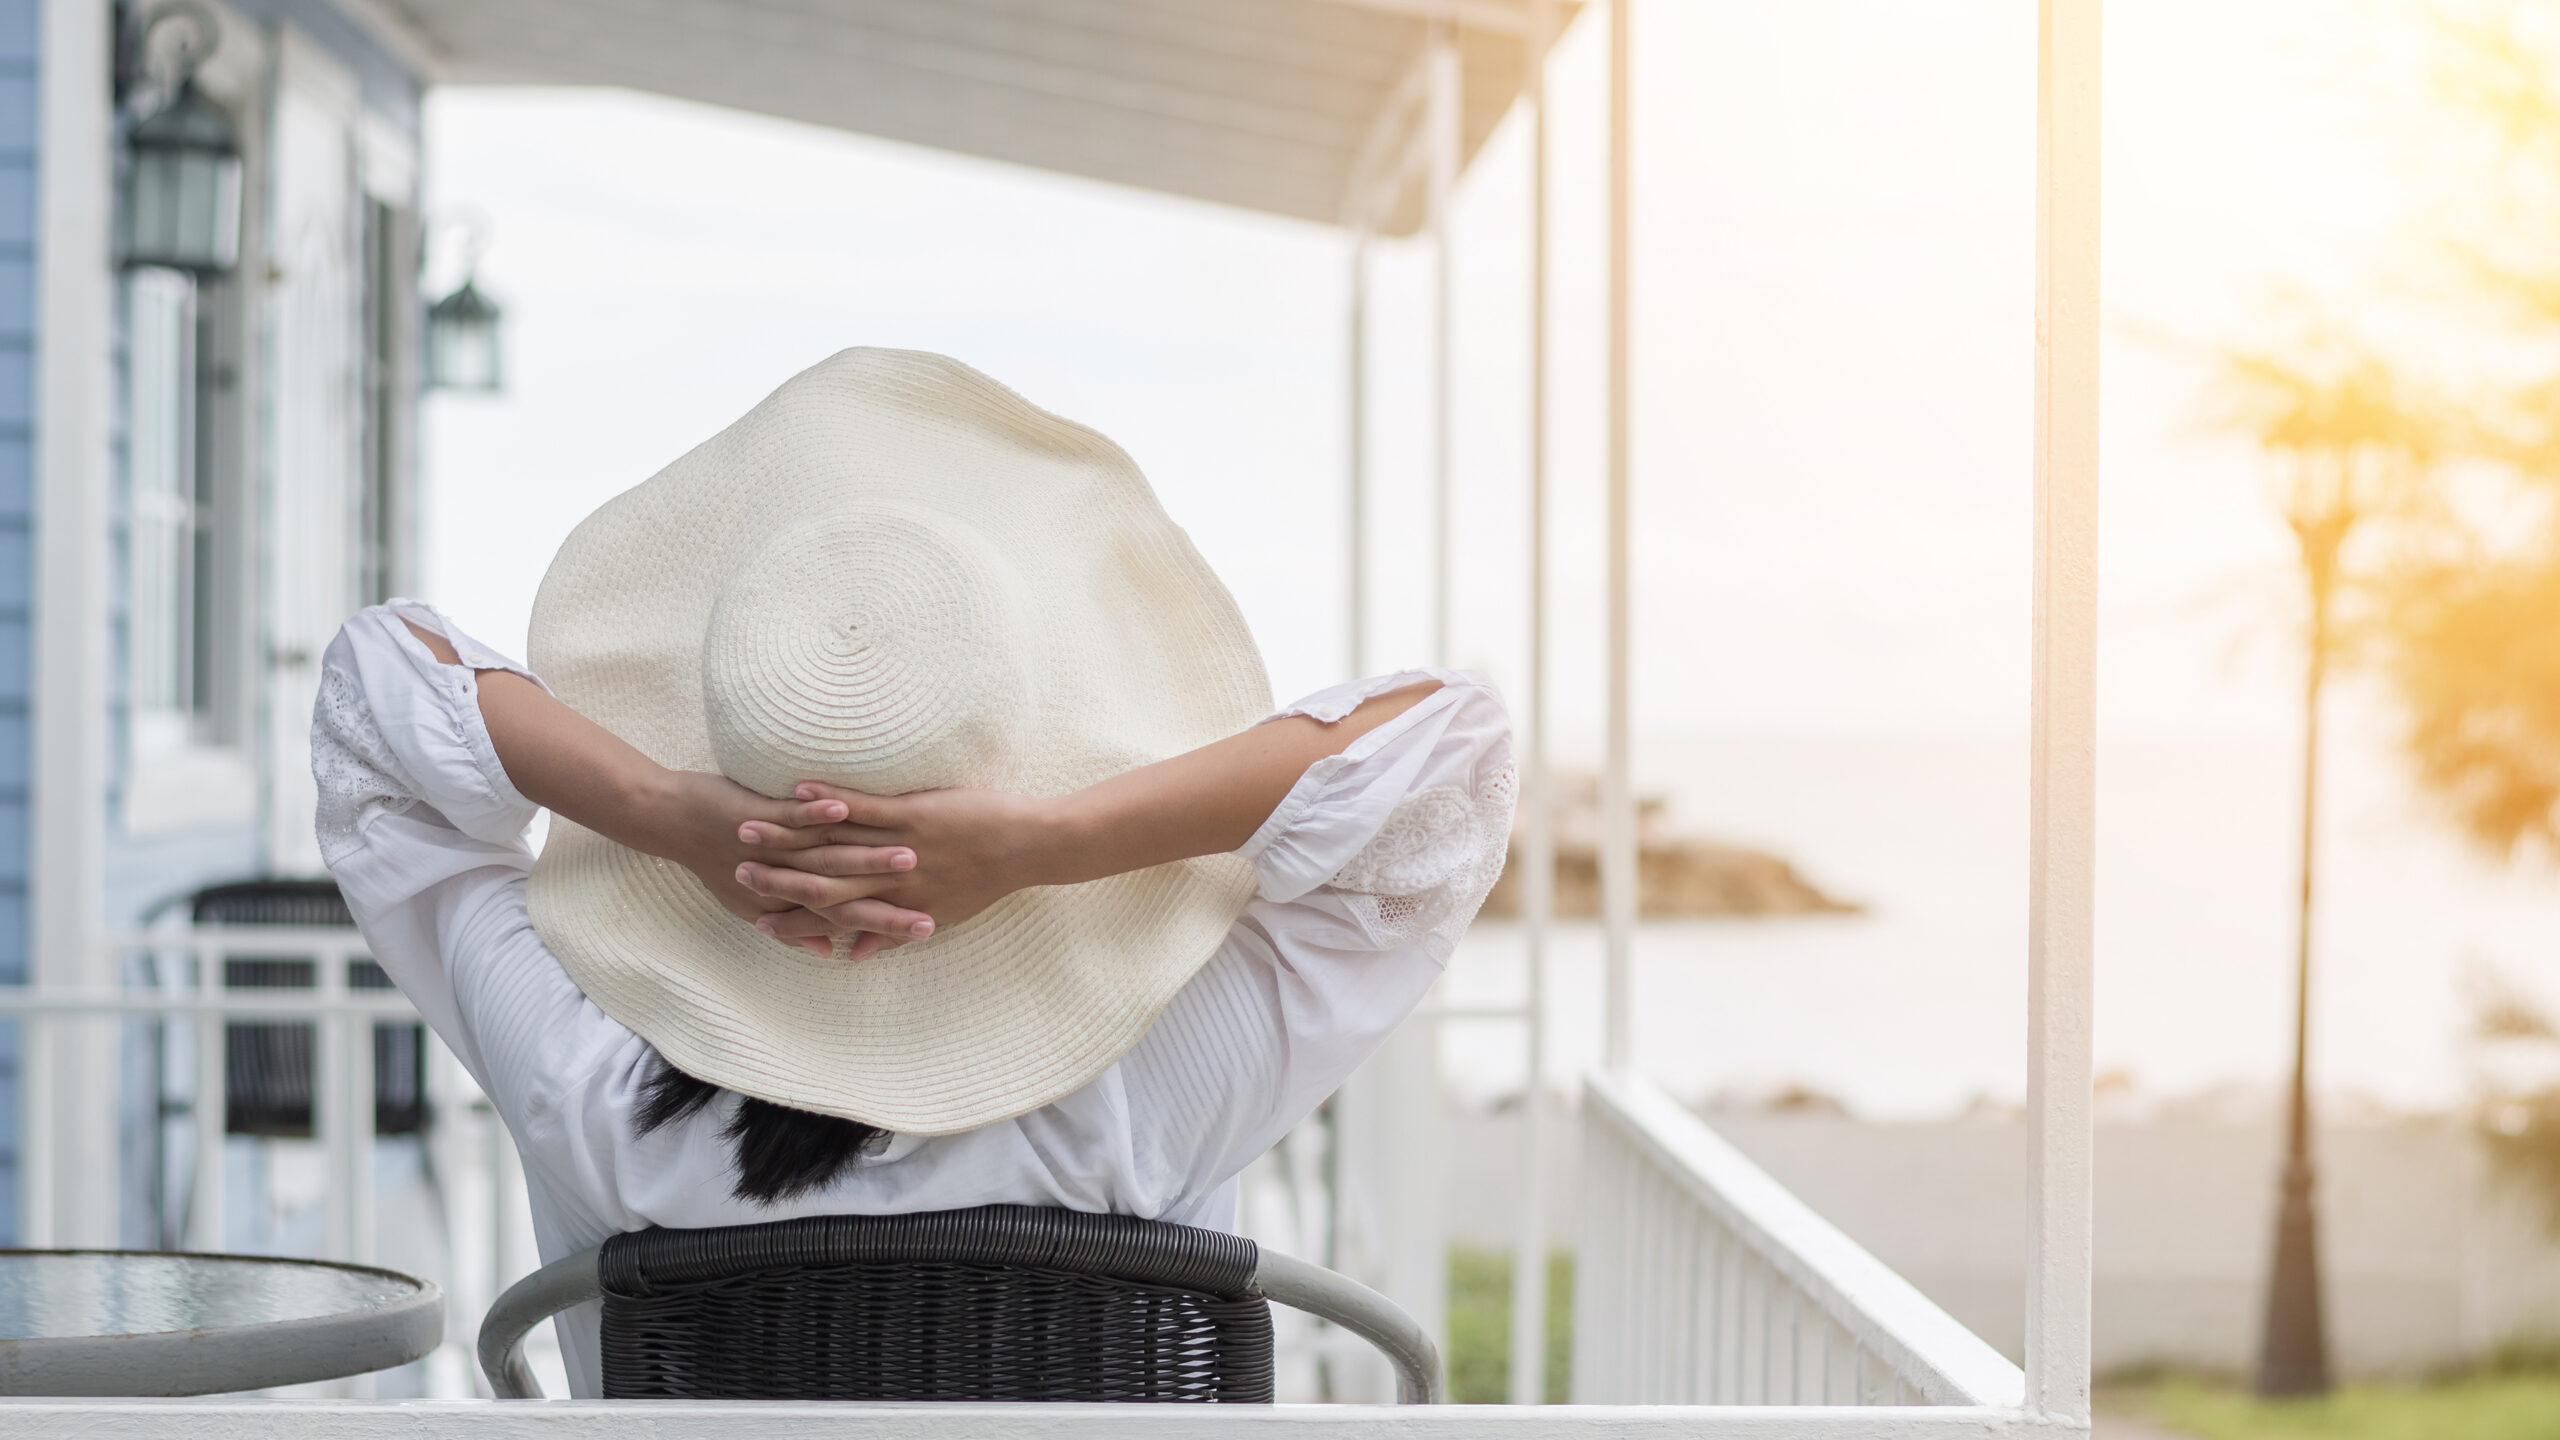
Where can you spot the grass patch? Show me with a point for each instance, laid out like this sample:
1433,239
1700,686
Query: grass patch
1479,1356
2479,1407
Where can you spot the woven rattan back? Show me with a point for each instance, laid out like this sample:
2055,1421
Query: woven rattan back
1004,1302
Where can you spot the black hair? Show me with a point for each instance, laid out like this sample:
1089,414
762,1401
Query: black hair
780,1152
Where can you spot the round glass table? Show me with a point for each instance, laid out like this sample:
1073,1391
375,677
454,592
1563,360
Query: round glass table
138,1322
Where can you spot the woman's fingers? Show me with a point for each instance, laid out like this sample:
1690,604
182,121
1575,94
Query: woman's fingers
783,838
879,917
822,937
806,814
866,945
876,917
802,887
845,860
814,944
881,812
770,835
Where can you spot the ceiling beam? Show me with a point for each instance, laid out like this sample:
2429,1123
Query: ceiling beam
1376,177
1500,17
399,32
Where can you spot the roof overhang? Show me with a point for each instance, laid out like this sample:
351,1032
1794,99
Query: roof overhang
1291,107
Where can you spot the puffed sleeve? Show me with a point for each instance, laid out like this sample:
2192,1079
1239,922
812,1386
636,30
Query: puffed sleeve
1370,870
412,799
1405,831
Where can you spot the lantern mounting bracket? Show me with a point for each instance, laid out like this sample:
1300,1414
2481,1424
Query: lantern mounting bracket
135,86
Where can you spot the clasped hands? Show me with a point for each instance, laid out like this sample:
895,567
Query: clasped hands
832,862
888,869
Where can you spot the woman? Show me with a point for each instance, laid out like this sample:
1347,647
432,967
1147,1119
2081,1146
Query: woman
914,843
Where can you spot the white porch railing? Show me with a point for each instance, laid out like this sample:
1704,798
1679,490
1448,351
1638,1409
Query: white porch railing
1699,1280
474,1173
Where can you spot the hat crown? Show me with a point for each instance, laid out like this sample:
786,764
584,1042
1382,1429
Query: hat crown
876,649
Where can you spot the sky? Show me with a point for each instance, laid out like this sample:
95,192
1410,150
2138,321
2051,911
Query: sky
1833,258
1833,358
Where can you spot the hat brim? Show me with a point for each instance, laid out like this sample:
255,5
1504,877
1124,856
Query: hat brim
1142,654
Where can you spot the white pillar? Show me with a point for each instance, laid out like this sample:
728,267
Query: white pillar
69,1092
1444,118
1617,805
1538,850
1356,539
2062,845
207,1225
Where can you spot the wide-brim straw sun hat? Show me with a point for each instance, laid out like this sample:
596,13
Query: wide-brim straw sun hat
894,574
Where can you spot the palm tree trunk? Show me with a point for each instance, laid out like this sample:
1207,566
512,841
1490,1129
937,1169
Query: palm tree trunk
2293,1355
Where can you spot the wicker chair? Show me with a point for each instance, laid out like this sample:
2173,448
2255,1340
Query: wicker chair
1003,1302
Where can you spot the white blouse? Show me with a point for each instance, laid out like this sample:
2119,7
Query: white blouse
1370,869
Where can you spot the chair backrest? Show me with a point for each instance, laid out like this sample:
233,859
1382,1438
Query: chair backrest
1003,1302
271,902
267,1066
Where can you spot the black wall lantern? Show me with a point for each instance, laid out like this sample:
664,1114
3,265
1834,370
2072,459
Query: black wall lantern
462,342
182,173
463,353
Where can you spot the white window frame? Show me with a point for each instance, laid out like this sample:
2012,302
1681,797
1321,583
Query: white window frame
176,778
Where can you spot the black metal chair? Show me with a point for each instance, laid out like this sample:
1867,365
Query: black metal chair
1003,1302
267,1065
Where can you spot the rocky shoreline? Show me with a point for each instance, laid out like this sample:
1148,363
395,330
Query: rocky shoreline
1678,876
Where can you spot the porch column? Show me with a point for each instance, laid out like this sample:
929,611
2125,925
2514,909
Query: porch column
68,1144
1442,119
1617,806
1538,841
2062,825
1356,532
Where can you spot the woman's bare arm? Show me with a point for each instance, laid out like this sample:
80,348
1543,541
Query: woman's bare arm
569,764
976,846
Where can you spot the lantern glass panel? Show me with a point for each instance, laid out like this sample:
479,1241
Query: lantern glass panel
463,351
183,210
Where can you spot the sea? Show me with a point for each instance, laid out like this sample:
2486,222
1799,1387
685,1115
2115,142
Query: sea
1915,1008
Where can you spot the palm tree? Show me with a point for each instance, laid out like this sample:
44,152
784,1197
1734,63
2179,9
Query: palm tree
2464,619
2344,443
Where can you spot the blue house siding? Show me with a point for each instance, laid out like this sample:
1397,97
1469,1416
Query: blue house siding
19,46
138,873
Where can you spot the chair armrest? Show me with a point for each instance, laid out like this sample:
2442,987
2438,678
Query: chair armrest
573,1280
569,1280
1362,1311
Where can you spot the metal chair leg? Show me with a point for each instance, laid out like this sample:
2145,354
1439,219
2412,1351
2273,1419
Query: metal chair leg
1362,1311
570,1280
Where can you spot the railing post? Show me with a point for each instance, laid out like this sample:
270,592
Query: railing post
2062,846
208,1224
35,1129
359,1132
356,1159
331,1115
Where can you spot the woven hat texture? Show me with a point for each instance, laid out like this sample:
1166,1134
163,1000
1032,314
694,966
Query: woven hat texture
893,574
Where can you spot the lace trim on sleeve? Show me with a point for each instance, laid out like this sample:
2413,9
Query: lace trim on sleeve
358,776
1428,869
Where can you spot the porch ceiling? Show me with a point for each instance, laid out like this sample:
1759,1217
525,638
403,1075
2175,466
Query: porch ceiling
1264,104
